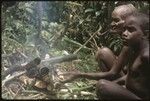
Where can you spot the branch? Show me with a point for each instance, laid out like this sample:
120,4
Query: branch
37,61
60,59
12,77
11,70
87,40
27,66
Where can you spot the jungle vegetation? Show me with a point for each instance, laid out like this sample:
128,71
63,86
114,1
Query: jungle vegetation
58,28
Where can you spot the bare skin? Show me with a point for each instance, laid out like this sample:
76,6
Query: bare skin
109,75
121,80
118,16
138,76
105,55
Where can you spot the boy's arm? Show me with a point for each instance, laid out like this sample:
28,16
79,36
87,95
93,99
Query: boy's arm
110,75
121,80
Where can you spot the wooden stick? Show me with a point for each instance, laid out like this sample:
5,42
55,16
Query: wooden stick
12,77
87,41
60,59
36,62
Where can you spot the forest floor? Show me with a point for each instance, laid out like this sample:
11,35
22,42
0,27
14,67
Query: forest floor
20,88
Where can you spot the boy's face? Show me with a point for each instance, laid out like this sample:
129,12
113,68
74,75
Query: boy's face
117,23
132,33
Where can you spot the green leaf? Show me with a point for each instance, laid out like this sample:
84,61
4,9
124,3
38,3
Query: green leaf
81,21
115,48
44,23
29,10
89,10
97,13
8,29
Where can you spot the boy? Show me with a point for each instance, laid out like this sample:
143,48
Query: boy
135,35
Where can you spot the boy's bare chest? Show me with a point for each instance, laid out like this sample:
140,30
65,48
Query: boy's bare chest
138,68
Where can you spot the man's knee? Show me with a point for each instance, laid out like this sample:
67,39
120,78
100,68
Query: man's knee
101,53
106,56
101,88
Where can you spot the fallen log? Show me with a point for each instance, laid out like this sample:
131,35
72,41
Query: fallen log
12,77
37,61
60,59
15,68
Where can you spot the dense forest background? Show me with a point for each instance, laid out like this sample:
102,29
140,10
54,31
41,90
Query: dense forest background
59,28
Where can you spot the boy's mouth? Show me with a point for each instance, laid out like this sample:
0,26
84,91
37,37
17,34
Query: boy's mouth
125,40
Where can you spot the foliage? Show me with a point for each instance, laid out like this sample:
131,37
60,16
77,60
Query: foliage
60,28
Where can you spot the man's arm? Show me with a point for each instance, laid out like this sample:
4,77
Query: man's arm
96,76
110,75
121,80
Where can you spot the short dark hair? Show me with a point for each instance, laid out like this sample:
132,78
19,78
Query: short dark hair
143,21
127,10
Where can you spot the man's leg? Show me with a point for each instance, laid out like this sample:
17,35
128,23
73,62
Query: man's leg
109,90
105,58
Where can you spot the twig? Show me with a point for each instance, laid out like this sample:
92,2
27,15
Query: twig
17,94
11,70
12,77
9,92
86,93
22,54
37,95
30,91
90,39
92,45
94,41
74,3
104,32
76,43
87,41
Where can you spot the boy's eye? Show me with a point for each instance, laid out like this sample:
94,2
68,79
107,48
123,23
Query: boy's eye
131,29
116,19
123,29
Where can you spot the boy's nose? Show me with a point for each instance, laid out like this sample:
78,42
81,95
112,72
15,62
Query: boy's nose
125,34
113,24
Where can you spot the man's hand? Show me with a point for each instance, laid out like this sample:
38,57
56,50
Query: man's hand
69,76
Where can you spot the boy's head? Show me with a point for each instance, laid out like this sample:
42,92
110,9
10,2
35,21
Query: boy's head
118,16
136,27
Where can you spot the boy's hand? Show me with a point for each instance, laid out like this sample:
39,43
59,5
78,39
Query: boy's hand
69,76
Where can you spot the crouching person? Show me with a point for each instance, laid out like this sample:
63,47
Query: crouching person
137,83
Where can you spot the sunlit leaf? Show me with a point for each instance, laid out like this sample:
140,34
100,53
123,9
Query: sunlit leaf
29,10
89,10
97,13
